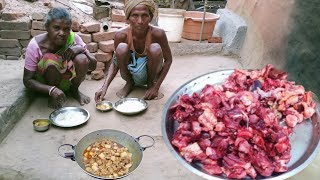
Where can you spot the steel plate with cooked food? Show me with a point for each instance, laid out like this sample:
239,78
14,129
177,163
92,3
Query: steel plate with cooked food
69,116
104,106
130,106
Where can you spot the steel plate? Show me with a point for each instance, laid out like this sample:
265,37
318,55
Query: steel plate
53,116
304,139
143,102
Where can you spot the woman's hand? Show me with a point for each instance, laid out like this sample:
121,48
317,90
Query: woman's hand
71,52
57,98
99,95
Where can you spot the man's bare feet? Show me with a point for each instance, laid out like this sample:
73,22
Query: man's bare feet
125,90
55,103
83,99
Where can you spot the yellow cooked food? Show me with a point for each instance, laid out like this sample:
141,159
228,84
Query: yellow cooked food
108,159
103,106
41,123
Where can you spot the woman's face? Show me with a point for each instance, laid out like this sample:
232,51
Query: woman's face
59,31
140,17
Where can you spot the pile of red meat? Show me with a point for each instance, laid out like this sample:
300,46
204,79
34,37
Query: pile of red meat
234,129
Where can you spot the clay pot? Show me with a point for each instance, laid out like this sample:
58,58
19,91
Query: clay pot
193,22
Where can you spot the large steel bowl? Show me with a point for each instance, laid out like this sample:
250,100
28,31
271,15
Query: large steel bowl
304,139
119,137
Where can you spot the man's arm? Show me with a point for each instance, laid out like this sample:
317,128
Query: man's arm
167,56
112,71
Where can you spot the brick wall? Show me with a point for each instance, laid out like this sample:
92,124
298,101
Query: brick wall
15,35
100,43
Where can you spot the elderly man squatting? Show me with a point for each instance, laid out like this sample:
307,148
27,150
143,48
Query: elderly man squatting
142,52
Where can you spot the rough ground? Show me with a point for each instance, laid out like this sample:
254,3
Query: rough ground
30,155
26,154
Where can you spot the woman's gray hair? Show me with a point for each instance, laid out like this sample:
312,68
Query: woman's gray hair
57,13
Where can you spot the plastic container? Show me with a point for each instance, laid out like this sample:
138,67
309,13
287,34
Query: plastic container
193,23
171,21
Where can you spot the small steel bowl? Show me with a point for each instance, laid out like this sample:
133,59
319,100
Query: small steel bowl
104,106
41,124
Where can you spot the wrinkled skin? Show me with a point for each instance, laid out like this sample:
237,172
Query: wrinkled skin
158,51
57,34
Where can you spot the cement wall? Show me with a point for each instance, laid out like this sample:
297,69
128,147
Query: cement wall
283,33
302,54
267,32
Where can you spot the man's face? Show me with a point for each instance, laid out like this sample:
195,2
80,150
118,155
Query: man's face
140,17
59,31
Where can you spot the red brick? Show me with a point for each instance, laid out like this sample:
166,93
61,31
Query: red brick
13,34
92,47
90,27
100,12
100,66
118,15
97,74
13,57
9,43
11,51
38,16
106,46
118,25
103,36
86,38
39,25
75,26
215,40
2,4
103,57
24,43
36,32
15,25
10,16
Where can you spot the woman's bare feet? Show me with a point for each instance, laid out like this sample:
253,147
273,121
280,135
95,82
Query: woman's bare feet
125,90
83,99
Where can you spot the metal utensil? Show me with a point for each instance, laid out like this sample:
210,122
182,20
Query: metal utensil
129,112
41,124
53,116
305,139
104,106
119,137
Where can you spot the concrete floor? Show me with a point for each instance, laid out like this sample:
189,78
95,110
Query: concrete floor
26,154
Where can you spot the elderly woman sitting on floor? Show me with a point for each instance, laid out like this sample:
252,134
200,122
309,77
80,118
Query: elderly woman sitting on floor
57,61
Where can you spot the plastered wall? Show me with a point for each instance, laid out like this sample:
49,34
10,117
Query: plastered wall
285,34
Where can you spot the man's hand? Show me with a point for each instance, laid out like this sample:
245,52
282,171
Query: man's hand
151,93
99,95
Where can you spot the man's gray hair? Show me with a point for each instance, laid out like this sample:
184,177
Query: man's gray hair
57,13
